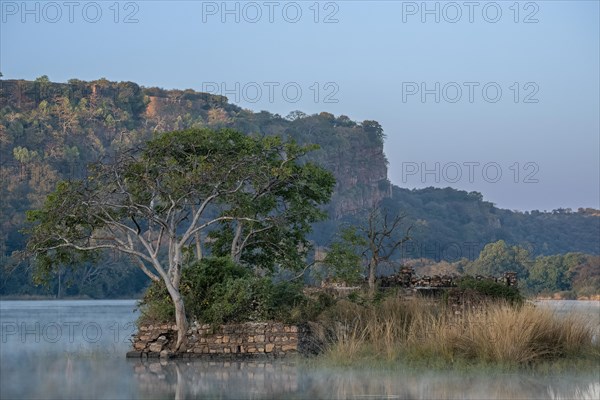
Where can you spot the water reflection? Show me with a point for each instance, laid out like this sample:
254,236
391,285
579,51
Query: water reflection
258,380
193,379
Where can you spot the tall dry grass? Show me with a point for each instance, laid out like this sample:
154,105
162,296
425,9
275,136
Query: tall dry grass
421,329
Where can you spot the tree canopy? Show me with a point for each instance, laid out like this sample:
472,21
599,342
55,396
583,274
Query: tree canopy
252,198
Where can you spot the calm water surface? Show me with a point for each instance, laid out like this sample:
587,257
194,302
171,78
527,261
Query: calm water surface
76,349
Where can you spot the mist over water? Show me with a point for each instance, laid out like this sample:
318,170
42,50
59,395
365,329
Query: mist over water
253,380
66,349
76,350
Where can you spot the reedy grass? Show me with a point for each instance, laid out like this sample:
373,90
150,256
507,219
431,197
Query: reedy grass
424,330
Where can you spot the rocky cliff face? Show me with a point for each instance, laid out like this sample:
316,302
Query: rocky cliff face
362,180
347,149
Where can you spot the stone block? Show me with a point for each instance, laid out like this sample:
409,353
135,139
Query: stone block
155,347
269,347
139,345
162,339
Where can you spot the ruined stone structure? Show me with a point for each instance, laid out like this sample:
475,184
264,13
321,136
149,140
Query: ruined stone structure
247,340
406,278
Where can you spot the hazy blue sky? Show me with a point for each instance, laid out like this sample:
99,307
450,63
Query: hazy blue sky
367,60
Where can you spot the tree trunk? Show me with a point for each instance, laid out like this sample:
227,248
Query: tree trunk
180,318
198,246
372,270
235,243
197,239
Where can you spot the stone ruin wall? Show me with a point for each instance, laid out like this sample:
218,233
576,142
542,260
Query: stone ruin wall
247,340
407,278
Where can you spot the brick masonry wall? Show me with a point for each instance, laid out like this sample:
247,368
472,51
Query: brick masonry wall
247,340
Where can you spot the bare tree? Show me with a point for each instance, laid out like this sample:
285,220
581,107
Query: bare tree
384,236
372,244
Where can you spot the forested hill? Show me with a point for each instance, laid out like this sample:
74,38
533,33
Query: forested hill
51,131
450,219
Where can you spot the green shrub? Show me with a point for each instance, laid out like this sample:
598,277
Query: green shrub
233,301
156,306
216,291
201,280
491,289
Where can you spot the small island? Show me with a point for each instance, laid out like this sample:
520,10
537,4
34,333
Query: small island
218,220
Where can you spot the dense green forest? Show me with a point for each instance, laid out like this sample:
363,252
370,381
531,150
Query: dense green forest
52,131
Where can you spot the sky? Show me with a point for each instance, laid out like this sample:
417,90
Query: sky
500,97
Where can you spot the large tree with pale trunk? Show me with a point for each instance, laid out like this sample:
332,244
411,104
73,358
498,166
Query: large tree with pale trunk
182,194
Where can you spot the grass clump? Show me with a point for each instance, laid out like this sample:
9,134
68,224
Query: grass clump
422,330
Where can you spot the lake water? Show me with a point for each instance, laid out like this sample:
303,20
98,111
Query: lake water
76,349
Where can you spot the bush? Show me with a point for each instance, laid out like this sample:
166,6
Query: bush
216,291
156,306
202,282
491,289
